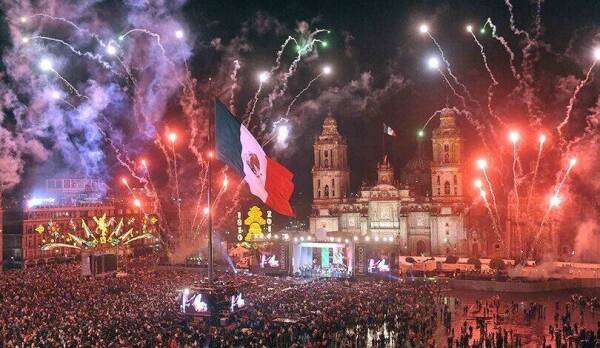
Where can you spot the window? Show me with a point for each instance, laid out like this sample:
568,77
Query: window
455,190
455,180
319,183
319,194
446,188
326,191
333,182
439,192
446,154
438,179
333,193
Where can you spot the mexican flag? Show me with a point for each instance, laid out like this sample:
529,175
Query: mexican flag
388,130
267,179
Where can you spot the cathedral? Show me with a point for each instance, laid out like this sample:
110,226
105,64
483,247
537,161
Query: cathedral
423,212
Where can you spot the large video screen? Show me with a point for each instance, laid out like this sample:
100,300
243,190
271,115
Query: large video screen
193,302
272,256
379,265
237,303
199,302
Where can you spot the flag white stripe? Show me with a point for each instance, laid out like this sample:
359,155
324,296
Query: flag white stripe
254,160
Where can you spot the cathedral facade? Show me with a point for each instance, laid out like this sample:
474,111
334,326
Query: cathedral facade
423,213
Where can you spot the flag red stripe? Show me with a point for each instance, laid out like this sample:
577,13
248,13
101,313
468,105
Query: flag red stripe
279,186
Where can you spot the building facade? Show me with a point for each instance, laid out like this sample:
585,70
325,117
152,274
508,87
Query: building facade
423,213
67,203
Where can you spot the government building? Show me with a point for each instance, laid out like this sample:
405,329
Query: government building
422,211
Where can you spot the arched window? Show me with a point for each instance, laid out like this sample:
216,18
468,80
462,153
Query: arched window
438,179
446,188
319,194
326,191
453,153
446,153
319,183
333,182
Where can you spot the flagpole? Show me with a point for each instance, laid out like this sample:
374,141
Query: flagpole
209,174
383,141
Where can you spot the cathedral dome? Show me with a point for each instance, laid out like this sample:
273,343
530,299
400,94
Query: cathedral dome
416,172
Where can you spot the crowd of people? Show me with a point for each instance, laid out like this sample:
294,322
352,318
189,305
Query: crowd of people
55,306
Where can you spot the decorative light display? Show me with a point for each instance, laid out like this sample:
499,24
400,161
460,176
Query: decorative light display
256,225
107,233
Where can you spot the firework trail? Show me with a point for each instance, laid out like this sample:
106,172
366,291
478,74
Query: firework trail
176,181
159,43
301,92
516,187
512,24
95,36
492,77
555,197
466,113
572,102
66,21
280,53
252,103
302,51
429,119
504,43
272,137
535,172
491,188
492,217
454,78
456,94
485,61
95,57
46,65
234,85
538,19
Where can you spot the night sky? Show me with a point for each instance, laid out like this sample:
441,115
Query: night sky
384,40
380,72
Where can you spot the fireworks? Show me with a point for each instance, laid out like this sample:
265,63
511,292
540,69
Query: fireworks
282,133
554,201
46,64
481,163
111,50
263,76
514,136
433,63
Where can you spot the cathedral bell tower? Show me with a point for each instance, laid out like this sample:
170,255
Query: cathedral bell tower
446,167
331,176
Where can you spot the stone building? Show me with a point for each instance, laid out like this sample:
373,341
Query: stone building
423,213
